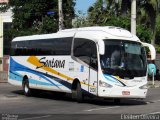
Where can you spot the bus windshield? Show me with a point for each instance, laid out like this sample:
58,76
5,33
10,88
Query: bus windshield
126,59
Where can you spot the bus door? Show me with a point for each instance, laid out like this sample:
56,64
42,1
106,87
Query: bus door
86,51
82,51
93,70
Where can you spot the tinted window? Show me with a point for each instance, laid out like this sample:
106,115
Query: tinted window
94,62
82,50
17,48
124,59
86,51
59,46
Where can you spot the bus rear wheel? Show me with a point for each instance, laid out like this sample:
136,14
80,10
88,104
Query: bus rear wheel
26,89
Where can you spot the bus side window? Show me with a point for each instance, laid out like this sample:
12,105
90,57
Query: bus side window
86,51
82,50
93,57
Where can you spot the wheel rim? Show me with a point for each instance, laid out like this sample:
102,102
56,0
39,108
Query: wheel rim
26,88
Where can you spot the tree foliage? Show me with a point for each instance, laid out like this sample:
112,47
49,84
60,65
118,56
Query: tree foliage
30,17
4,7
150,11
118,13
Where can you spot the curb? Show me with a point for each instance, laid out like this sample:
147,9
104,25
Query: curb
2,81
156,84
153,86
3,77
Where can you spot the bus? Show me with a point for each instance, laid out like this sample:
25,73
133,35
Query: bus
106,62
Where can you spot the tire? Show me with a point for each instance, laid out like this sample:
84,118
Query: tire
26,89
79,94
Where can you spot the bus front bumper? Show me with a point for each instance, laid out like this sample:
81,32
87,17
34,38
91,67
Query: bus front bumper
136,93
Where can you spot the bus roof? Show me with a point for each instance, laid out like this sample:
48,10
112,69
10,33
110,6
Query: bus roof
97,32
43,36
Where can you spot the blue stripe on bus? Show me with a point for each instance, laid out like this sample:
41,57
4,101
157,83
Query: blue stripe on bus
112,79
40,75
20,67
17,77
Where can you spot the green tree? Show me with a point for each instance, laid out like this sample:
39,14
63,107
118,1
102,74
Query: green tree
4,7
150,11
108,12
80,20
118,13
30,17
120,7
68,12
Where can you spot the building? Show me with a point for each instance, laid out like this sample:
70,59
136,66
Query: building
5,23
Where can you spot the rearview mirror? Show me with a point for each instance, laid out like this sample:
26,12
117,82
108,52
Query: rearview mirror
151,49
101,47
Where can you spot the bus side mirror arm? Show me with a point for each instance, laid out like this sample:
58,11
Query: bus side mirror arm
152,50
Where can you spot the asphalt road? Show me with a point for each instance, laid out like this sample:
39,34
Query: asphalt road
47,105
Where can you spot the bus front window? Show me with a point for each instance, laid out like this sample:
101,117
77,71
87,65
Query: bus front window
124,59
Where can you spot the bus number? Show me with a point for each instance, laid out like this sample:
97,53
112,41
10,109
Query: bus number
92,89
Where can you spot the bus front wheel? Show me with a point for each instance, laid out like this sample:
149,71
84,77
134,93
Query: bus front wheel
77,93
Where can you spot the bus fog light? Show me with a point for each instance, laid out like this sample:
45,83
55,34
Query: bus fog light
104,84
144,87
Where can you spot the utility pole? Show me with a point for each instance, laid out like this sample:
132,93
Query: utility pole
133,17
60,11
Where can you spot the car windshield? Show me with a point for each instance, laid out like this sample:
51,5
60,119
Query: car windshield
125,59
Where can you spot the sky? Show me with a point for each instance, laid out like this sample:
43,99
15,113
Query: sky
83,5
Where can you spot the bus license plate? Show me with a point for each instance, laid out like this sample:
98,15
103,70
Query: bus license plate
125,92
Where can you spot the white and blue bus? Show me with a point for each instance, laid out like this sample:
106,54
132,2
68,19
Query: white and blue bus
107,62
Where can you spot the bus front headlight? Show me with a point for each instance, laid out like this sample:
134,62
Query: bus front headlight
104,84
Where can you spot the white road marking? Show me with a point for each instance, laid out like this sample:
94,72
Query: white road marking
102,108
149,102
156,101
154,113
35,117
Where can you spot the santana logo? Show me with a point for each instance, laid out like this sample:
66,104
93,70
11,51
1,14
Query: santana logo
51,63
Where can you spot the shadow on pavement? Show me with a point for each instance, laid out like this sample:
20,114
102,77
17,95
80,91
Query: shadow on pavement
67,97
